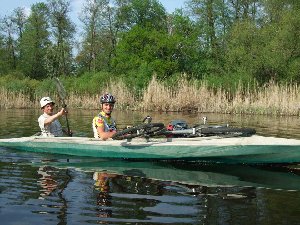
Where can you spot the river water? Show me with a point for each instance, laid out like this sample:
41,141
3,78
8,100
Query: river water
59,189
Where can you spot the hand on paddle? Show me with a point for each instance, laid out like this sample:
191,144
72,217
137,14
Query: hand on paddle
64,112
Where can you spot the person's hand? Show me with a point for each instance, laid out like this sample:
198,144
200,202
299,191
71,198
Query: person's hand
63,111
70,133
113,132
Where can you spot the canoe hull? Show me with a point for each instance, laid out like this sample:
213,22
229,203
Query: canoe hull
226,150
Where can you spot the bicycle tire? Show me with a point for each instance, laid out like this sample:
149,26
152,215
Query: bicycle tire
140,130
244,132
197,126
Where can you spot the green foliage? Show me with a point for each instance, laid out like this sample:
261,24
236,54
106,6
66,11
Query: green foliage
287,45
144,47
225,43
99,38
87,83
146,14
266,53
62,32
45,86
17,82
139,78
34,43
4,67
293,73
244,45
231,82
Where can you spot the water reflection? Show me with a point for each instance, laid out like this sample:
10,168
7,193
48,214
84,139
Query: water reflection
92,191
46,181
103,182
140,198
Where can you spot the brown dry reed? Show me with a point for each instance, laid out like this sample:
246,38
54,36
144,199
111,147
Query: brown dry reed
271,99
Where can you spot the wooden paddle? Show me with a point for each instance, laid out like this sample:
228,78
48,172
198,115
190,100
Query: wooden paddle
62,95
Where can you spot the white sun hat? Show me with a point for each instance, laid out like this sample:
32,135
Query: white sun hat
46,100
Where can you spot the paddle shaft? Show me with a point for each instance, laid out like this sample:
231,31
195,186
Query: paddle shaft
67,121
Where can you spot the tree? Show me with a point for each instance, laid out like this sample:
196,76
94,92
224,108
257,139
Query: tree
146,50
100,35
147,13
274,8
34,42
268,50
4,67
187,51
62,30
205,13
279,55
19,19
244,9
8,29
91,17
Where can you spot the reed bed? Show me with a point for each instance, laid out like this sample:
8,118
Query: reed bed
271,99
15,99
124,96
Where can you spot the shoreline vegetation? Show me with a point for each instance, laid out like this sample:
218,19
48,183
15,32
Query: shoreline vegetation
230,57
194,96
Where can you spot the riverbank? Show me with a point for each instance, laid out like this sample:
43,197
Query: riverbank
271,99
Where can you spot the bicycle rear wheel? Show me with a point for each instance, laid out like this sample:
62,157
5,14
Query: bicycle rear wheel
230,131
150,129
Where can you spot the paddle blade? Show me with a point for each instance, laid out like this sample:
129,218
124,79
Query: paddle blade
60,88
62,95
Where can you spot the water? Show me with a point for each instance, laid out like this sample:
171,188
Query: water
59,189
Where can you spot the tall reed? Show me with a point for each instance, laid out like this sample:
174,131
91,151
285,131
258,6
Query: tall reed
125,98
15,99
271,99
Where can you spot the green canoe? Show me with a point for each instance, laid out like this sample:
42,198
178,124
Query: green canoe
254,149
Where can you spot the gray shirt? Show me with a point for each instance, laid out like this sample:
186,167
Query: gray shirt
53,129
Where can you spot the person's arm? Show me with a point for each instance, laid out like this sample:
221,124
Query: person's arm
105,135
50,119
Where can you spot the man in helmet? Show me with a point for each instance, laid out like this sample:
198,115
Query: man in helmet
48,121
104,126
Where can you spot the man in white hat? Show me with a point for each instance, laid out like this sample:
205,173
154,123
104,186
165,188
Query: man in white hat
48,122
